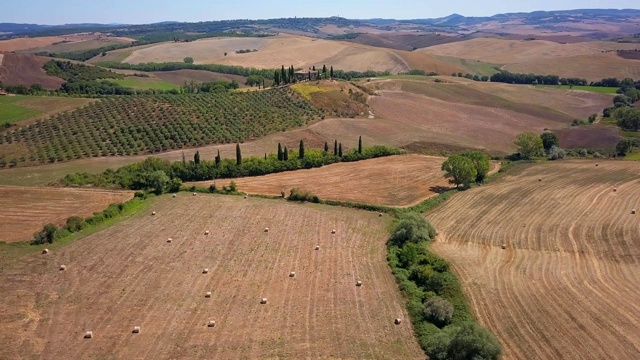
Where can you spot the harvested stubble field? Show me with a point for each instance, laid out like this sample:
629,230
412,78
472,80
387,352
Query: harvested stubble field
23,211
129,275
393,181
26,69
583,60
566,284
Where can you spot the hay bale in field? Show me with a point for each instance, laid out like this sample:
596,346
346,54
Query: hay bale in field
174,195
333,231
263,301
266,229
633,211
397,321
292,274
539,179
194,194
208,294
615,189
63,267
136,330
88,335
317,247
169,240
358,283
211,323
205,271
504,246
380,214
206,232
246,197
596,164
153,213
45,251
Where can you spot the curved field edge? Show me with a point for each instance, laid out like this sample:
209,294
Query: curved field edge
160,287
566,269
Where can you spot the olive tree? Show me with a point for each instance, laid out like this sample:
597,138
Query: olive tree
459,170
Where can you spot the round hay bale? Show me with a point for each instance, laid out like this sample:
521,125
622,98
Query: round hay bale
615,189
633,211
207,294
504,246
317,247
194,194
63,267
246,197
205,271
397,321
263,301
596,164
174,195
206,232
358,283
380,214
45,251
211,323
266,229
153,213
292,274
88,335
539,179
333,231
136,330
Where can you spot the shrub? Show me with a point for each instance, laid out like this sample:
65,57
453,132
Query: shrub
438,311
74,224
556,153
466,341
412,228
303,195
46,235
623,147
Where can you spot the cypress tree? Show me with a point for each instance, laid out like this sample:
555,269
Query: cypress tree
331,73
360,145
279,152
335,147
326,147
324,69
314,68
301,150
183,159
284,75
218,159
196,158
309,74
265,156
238,155
286,154
340,150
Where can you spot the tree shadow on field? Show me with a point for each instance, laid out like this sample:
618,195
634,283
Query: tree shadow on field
440,189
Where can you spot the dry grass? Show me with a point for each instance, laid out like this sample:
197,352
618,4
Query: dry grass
159,286
26,69
23,211
393,181
570,264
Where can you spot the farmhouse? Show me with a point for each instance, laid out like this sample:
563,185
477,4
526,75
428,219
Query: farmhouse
307,75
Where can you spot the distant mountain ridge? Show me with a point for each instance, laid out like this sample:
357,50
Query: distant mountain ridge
547,19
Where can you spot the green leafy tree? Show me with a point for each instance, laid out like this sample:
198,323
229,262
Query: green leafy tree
624,146
238,155
529,145
188,60
628,118
158,181
480,162
459,170
301,150
549,140
438,311
467,341
46,235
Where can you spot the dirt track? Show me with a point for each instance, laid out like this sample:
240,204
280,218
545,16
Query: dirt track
565,286
128,275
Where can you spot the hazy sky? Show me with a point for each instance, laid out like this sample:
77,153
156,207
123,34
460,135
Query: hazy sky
148,11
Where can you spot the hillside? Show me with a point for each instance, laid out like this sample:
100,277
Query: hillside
160,286
25,69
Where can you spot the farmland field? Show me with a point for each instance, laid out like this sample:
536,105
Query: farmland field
23,211
14,109
154,83
394,181
25,70
571,263
128,275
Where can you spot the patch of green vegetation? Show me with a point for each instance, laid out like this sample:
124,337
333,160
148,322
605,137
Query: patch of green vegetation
474,67
154,84
596,89
307,89
11,113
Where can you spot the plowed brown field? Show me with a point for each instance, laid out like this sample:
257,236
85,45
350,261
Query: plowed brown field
23,211
566,284
128,275
393,181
